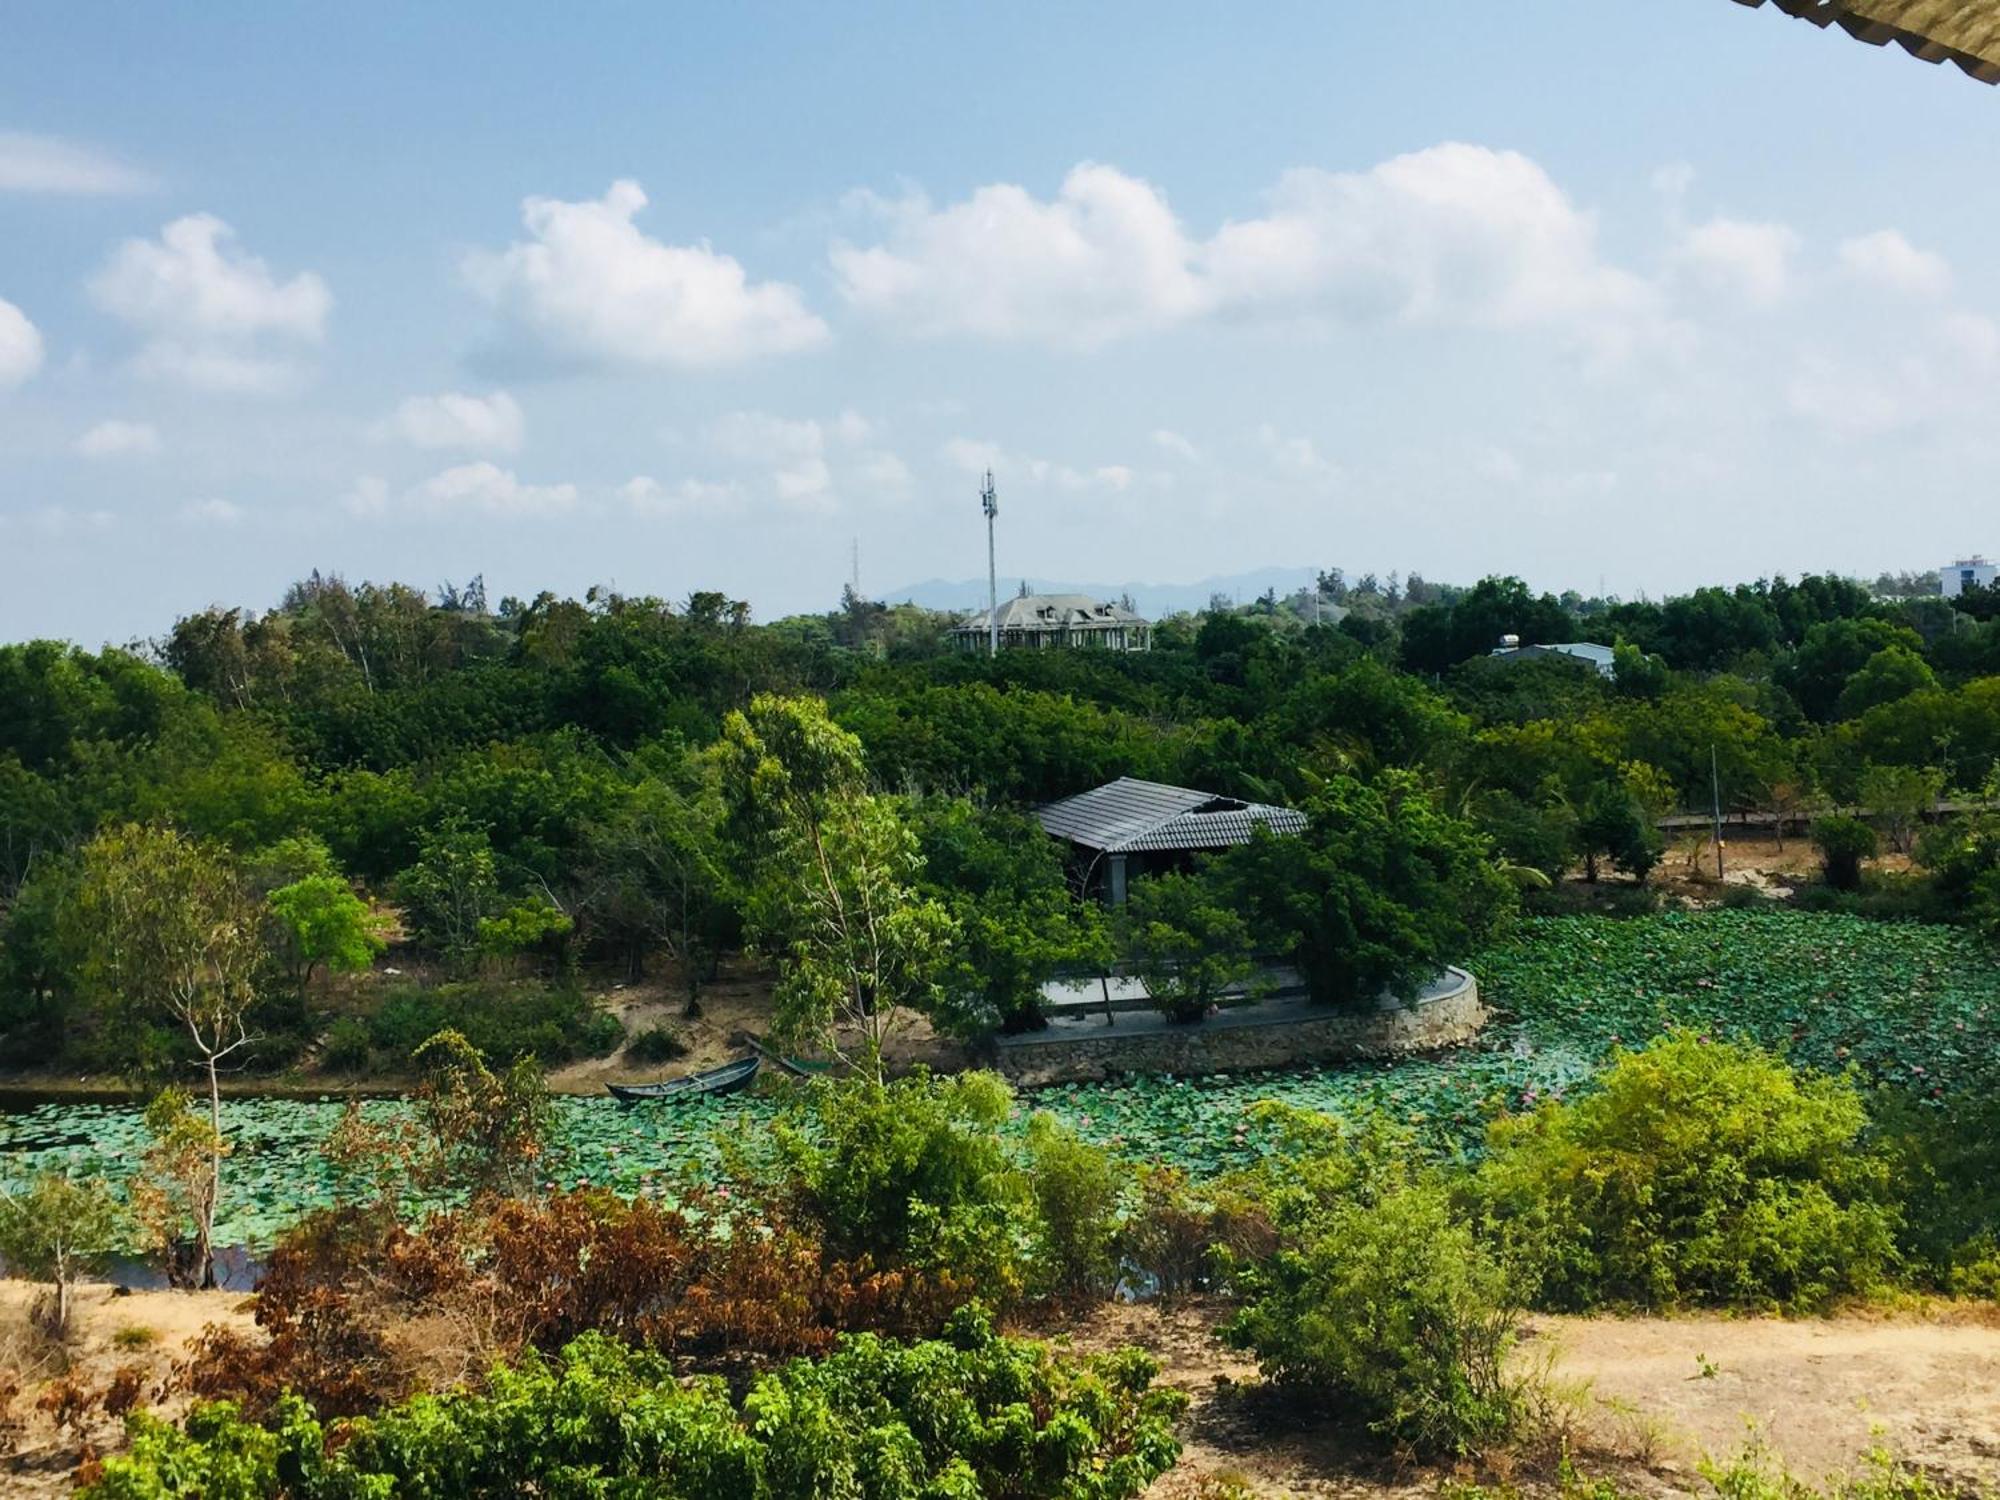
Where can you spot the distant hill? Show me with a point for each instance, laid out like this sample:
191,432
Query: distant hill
1151,599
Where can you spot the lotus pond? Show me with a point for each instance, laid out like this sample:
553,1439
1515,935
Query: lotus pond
1904,1004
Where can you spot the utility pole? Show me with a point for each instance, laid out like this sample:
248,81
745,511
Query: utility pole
1715,804
990,503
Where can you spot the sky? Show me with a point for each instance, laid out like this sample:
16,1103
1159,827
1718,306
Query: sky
1616,296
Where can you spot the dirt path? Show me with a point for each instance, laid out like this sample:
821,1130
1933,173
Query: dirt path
1821,1393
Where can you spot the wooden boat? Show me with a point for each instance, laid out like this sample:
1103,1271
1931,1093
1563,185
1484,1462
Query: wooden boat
730,1078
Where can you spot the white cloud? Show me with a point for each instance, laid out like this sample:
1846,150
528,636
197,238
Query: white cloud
208,310
49,164
1887,259
456,420
975,456
211,513
1452,235
480,488
115,439
588,286
1106,257
1974,337
1297,457
972,455
61,521
20,346
487,489
882,473
1739,258
1169,441
804,461
369,497
646,496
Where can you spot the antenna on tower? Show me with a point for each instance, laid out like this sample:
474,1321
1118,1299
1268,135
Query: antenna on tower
989,502
854,580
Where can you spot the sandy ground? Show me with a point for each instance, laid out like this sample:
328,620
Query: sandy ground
1821,1393
35,1458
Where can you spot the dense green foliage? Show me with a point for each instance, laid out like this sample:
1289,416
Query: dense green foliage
954,1419
1696,1171
1379,892
537,786
1377,1297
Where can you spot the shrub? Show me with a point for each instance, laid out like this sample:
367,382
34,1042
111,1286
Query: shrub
1076,1188
1183,1240
345,1048
502,1020
906,1172
1697,1172
1843,842
1946,1165
656,1044
876,1420
1390,1308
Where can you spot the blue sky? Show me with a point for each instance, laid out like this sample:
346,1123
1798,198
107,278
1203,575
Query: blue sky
673,299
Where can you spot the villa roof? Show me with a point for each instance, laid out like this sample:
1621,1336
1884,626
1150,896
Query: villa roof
1054,612
1129,816
1965,32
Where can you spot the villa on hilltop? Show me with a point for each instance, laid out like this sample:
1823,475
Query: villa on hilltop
1052,622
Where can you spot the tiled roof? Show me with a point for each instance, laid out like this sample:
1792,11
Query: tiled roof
1966,32
1129,816
1054,612
1601,657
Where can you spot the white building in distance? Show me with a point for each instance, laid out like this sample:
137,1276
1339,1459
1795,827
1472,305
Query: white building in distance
1955,577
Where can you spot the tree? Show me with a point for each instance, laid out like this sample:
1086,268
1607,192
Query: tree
322,923
175,1189
1889,676
654,876
167,930
56,1230
834,892
486,1130
1900,796
1843,842
1002,880
1185,944
1379,893
1613,824
452,888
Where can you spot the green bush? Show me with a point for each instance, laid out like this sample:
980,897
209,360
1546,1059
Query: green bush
968,1416
656,1044
1182,1239
1389,1308
907,1171
1077,1190
1696,1172
346,1046
502,1021
1945,1159
1843,842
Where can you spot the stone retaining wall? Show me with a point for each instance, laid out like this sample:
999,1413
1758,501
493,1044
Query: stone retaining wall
1278,1034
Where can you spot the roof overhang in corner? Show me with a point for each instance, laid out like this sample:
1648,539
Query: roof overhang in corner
1966,32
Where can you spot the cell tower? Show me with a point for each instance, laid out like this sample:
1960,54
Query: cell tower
990,504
